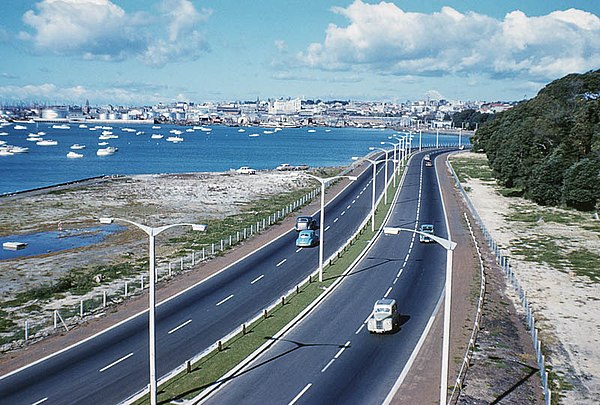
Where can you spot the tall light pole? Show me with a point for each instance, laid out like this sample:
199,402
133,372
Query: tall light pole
437,136
386,172
449,246
395,158
420,140
152,232
401,150
323,182
374,165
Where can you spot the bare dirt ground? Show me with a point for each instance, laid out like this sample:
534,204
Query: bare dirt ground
566,305
154,200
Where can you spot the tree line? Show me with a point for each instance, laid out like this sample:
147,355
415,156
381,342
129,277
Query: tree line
549,147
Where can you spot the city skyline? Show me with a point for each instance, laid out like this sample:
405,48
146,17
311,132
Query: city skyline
144,52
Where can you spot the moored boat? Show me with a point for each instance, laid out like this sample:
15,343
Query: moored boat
77,146
47,142
110,150
74,155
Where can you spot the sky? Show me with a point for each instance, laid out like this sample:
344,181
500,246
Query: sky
142,52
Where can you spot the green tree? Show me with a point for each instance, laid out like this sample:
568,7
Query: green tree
582,184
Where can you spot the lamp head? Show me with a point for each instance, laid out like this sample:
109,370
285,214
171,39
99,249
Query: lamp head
388,230
199,227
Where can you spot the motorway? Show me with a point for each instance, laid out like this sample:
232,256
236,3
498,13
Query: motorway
330,357
113,366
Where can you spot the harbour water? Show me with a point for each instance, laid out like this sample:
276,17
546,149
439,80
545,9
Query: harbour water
203,149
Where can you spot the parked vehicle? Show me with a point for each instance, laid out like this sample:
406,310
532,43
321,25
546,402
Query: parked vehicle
306,222
246,170
307,238
385,317
426,228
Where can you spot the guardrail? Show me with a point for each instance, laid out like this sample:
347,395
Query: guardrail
512,280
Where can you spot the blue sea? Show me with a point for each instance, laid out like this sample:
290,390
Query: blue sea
220,149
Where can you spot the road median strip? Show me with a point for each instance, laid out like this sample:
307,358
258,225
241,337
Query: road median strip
220,362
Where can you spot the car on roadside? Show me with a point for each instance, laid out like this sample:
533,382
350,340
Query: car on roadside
246,170
428,229
307,238
306,222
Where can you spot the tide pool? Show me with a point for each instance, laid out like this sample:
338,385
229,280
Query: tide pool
56,241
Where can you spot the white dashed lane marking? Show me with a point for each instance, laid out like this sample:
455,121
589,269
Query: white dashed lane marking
257,278
225,300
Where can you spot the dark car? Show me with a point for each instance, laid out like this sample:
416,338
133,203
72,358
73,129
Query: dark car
306,223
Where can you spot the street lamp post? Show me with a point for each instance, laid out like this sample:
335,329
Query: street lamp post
374,165
386,172
395,158
152,232
323,182
449,246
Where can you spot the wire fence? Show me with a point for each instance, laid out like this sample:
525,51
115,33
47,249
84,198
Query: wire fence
512,280
65,317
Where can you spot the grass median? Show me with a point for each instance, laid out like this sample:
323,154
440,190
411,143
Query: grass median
207,371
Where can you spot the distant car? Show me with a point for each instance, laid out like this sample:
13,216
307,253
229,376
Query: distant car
427,158
307,238
428,163
306,223
285,166
246,170
385,317
425,228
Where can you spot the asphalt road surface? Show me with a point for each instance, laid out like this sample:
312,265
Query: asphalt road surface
330,357
113,365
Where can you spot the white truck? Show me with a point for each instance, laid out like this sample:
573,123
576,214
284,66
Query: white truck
385,317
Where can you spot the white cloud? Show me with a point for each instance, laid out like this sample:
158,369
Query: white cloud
101,30
48,92
383,38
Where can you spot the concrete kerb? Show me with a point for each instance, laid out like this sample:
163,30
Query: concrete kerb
209,391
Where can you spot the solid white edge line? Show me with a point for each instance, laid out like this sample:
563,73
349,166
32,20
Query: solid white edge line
114,363
413,356
175,329
40,401
300,394
257,278
224,300
281,262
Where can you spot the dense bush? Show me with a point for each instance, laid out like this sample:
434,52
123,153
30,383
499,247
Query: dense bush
549,146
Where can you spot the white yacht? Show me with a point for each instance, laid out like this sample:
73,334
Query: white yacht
47,142
77,146
61,126
74,155
157,136
110,150
175,139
